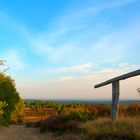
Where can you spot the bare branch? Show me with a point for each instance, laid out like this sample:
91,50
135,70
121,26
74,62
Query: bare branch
2,62
6,69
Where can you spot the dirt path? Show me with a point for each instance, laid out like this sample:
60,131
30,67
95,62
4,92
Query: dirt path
20,132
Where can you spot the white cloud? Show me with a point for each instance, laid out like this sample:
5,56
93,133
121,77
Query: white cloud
121,68
56,52
83,68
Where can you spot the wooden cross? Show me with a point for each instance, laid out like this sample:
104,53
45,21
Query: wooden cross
116,90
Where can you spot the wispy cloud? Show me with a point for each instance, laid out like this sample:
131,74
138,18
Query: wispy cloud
83,68
14,60
79,15
109,48
14,46
56,46
118,69
113,4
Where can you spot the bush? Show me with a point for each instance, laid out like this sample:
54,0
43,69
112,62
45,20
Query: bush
18,114
133,109
61,123
54,123
84,115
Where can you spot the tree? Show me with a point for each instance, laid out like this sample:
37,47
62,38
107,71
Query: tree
18,114
8,92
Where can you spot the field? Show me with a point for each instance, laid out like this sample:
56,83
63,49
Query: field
86,121
41,110
74,121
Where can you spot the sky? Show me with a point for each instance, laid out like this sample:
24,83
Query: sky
59,49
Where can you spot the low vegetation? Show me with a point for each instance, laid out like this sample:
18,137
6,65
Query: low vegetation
78,111
92,121
102,129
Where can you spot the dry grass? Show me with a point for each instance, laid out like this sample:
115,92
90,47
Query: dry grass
123,129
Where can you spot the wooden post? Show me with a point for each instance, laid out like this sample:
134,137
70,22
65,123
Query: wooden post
115,100
115,90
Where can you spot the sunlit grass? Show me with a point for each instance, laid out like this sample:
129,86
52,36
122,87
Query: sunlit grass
122,129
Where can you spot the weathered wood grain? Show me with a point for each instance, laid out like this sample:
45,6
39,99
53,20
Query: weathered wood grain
115,100
122,77
116,90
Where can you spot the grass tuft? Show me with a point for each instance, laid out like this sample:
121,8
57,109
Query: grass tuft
122,129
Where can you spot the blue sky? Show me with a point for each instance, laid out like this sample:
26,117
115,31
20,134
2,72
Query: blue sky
57,48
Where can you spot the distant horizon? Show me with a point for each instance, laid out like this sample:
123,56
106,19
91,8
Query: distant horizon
80,99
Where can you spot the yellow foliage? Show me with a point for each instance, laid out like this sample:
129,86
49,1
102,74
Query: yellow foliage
18,113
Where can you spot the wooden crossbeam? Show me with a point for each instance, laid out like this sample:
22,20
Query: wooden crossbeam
116,90
122,77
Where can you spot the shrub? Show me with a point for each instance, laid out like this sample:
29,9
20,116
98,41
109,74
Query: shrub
18,114
54,123
133,109
123,110
59,123
83,115
103,110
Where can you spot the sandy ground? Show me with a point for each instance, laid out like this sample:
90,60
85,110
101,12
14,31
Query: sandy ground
20,132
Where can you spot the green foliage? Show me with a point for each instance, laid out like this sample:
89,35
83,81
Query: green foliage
59,107
2,105
9,94
18,114
83,115
54,105
38,105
